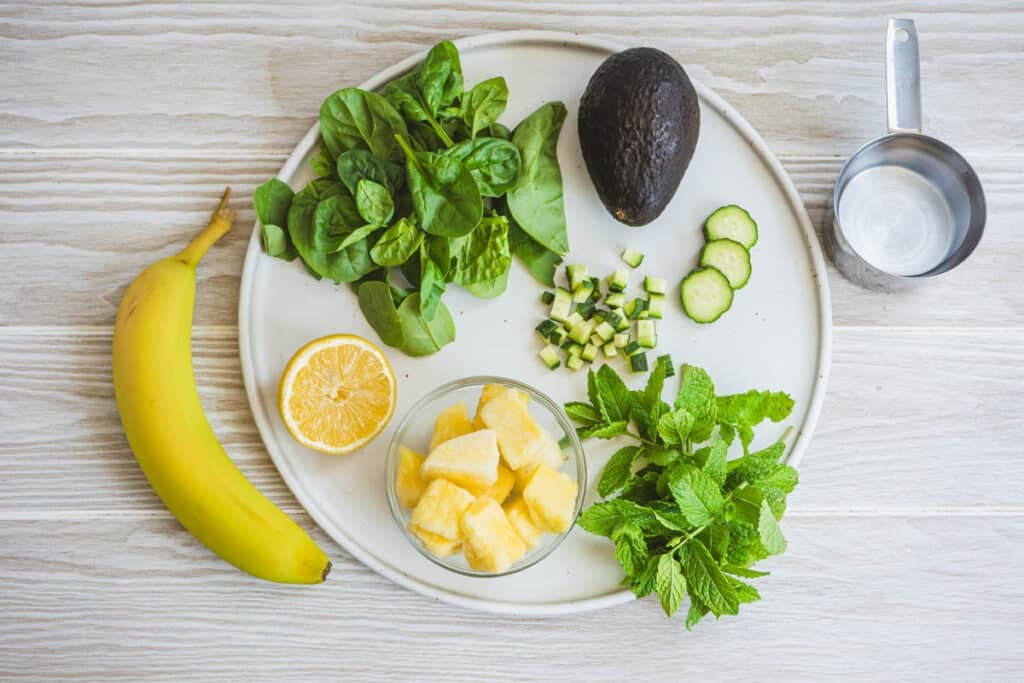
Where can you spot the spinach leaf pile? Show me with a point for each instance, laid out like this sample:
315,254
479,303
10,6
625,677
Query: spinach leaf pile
685,520
423,178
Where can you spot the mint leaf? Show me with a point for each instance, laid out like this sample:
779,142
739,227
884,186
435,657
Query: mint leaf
672,520
583,412
655,385
745,593
602,518
746,436
697,395
630,547
744,545
595,398
714,465
618,470
643,582
768,529
614,399
696,612
698,497
661,455
727,433
604,431
755,466
779,406
753,407
641,488
716,538
674,428
741,571
708,582
669,583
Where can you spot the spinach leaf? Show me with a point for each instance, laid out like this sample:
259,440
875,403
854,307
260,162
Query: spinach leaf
358,235
493,163
356,119
488,289
397,244
358,164
377,305
541,262
432,286
272,200
440,77
536,202
499,130
347,265
374,202
482,105
483,254
335,218
444,194
323,164
421,337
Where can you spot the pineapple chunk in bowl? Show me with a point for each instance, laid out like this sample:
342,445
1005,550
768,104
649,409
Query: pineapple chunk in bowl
485,476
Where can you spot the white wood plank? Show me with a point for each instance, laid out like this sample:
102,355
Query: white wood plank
907,599
808,76
68,261
914,420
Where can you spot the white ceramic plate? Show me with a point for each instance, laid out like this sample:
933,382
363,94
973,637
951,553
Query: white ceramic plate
777,334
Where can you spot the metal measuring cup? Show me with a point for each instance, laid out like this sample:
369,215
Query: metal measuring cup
906,207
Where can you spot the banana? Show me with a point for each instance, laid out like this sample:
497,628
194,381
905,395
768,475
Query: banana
171,437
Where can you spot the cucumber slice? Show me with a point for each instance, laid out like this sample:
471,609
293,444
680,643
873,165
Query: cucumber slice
574,362
632,257
620,340
547,298
656,305
618,280
589,353
646,334
638,362
561,307
730,258
615,300
731,222
610,350
578,274
655,285
705,294
549,354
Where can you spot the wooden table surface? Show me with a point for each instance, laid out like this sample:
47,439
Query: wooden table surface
120,123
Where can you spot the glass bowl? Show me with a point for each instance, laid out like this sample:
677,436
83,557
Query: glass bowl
414,432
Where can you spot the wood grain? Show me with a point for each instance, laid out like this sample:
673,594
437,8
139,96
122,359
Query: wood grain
910,599
904,406
814,86
68,261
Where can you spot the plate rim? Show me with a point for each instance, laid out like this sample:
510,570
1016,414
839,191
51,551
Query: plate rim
308,501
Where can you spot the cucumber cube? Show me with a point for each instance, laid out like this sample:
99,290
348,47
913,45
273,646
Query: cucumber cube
549,354
621,340
589,353
615,300
632,257
646,334
631,348
559,336
638,362
610,350
654,285
604,331
666,360
561,306
574,362
618,280
577,275
656,305
547,298
546,328
581,292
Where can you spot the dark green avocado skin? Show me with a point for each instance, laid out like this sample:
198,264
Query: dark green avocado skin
639,121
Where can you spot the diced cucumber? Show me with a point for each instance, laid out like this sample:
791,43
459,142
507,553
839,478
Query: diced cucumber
547,298
578,274
646,334
705,294
604,331
581,333
636,308
620,340
731,222
656,305
595,295
549,354
574,362
559,336
610,350
589,353
561,307
612,318
615,300
574,319
581,292
655,285
596,340
623,322
670,369
631,348
632,257
586,309
638,362
618,280
573,349
730,258
546,328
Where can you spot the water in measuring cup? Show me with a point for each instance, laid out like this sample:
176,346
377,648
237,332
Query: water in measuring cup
897,220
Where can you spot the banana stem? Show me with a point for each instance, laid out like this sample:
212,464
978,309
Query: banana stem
220,223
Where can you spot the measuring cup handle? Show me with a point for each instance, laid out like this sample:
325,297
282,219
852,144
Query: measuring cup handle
902,77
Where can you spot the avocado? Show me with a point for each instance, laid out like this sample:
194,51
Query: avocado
639,120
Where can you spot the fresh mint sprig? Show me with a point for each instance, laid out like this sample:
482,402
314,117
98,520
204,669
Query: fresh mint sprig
686,521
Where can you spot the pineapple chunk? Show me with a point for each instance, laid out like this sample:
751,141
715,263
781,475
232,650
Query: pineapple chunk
503,486
519,518
409,485
488,392
438,546
521,440
490,542
450,423
550,498
439,510
523,475
470,460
